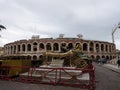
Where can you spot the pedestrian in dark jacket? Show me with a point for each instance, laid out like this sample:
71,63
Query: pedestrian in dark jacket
118,62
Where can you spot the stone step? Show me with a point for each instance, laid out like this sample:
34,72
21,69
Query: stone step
84,76
57,63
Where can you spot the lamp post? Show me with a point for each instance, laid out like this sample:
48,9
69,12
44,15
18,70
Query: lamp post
2,27
113,31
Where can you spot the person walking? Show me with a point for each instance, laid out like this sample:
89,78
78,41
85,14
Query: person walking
118,62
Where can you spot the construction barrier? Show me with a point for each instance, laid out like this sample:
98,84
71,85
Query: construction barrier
68,76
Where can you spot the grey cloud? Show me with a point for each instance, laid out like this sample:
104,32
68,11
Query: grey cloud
92,18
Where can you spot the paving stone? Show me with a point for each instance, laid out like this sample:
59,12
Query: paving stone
106,79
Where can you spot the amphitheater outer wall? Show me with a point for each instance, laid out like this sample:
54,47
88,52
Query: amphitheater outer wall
36,47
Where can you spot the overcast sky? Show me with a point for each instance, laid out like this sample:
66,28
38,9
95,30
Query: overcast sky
94,19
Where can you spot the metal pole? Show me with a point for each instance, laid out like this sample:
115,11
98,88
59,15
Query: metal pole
113,31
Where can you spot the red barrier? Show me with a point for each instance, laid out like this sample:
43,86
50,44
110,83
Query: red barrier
83,78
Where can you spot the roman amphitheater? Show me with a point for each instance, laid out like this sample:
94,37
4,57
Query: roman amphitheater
36,47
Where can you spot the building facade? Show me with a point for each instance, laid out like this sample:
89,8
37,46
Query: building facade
35,47
1,52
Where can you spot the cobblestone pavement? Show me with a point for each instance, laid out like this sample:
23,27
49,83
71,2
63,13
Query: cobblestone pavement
112,67
106,79
8,85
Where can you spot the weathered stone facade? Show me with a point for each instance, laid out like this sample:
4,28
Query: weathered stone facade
36,47
1,52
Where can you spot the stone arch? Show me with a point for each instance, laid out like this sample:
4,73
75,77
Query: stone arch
85,46
113,48
92,57
103,56
8,49
48,46
106,48
109,48
77,44
18,46
11,49
35,46
41,60
55,46
91,45
41,46
97,47
29,57
35,61
111,57
23,47
107,57
14,49
63,47
97,57
34,57
70,46
102,47
29,47
41,57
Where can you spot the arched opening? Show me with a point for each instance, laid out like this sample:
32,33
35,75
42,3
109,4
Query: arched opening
102,47
41,46
114,57
91,44
92,57
18,48
55,47
34,62
6,50
63,47
103,56
14,49
85,46
11,49
98,58
40,61
103,59
34,46
34,57
106,48
113,48
29,57
111,57
97,48
107,58
23,47
48,46
49,59
77,44
41,57
70,46
110,48
28,47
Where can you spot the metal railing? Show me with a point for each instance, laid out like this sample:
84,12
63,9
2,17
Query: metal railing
83,78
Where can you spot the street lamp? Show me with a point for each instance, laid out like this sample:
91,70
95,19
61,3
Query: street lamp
113,31
2,27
